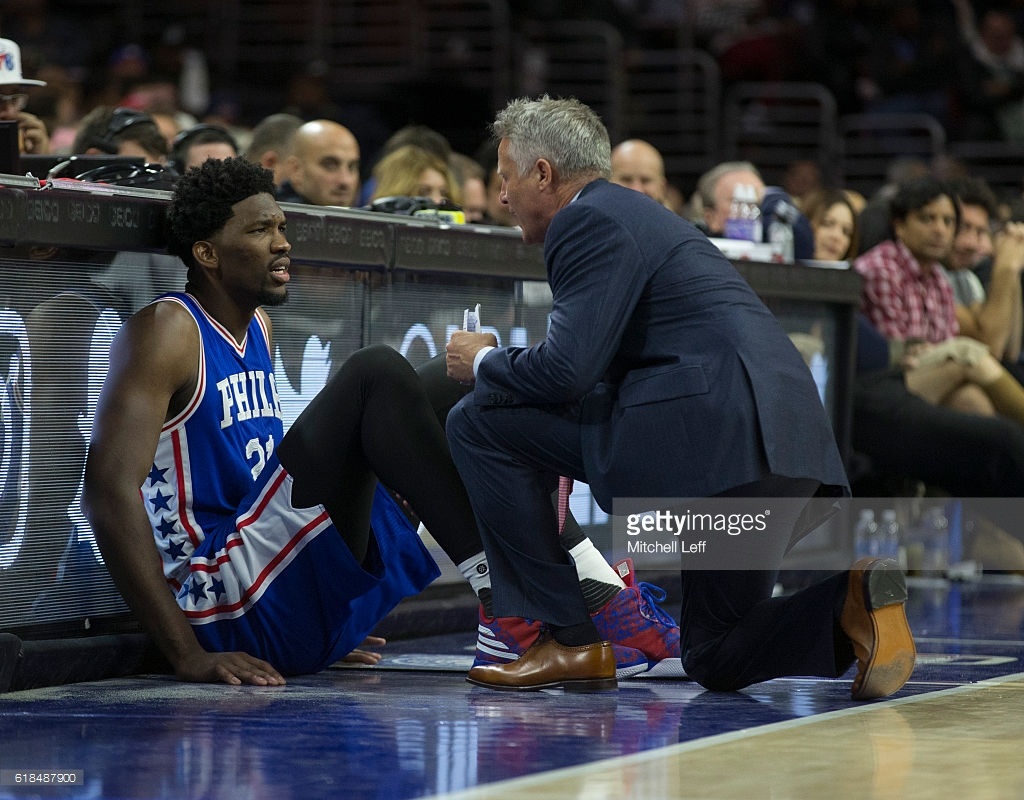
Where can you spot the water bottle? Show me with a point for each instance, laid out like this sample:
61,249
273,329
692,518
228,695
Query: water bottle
780,232
744,220
935,559
889,535
865,535
954,513
736,222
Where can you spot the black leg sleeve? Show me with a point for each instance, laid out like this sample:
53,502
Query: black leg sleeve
372,421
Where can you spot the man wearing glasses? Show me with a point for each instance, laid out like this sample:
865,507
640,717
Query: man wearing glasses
32,135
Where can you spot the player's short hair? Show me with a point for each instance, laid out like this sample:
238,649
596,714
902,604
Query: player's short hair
204,198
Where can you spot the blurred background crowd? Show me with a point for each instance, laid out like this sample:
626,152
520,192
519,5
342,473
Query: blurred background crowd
378,66
894,127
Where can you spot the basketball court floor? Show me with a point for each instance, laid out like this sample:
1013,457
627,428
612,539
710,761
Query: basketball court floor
413,728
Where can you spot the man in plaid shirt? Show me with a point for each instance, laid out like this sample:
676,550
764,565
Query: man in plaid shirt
909,300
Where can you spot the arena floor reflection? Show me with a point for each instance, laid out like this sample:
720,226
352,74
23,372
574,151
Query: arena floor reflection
413,727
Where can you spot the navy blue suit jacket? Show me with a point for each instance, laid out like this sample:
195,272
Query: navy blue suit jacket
687,384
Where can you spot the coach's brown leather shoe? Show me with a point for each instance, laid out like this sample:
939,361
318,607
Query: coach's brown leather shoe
550,665
876,622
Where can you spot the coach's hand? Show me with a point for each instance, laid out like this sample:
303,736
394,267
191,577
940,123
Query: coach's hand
461,352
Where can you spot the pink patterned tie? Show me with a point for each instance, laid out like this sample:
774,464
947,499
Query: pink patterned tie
564,490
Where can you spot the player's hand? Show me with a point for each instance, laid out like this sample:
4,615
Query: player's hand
34,138
233,668
364,656
461,351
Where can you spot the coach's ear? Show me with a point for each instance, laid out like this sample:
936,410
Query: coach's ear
545,173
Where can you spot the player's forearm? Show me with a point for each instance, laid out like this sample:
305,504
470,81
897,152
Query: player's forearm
1013,344
126,541
995,318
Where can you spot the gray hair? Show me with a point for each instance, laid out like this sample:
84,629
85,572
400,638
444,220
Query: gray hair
706,183
564,131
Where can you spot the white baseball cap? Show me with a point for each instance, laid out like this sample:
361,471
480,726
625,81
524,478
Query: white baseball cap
10,66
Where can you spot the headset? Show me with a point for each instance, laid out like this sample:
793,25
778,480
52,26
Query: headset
121,119
130,173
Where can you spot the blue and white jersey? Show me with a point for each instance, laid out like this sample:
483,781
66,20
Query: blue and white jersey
210,454
250,571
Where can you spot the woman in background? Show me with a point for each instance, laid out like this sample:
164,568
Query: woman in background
833,217
411,171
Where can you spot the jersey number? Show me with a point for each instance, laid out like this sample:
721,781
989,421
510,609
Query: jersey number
261,453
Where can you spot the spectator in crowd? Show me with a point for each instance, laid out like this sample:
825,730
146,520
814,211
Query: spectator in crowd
908,299
497,212
715,188
411,171
472,181
421,136
121,131
271,143
15,90
194,145
833,219
904,436
802,177
323,167
874,218
638,165
993,316
989,76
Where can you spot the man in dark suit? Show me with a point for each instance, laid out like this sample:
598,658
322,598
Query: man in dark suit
662,376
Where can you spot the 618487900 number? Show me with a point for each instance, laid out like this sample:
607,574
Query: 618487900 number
22,777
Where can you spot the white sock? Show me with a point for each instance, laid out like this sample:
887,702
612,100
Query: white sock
591,564
475,570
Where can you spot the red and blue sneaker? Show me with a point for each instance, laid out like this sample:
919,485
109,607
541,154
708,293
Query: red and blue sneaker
503,639
500,640
634,619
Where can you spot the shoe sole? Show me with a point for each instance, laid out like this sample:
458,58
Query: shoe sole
883,591
620,672
576,685
629,672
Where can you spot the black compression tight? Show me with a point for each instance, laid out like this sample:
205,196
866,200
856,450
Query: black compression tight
373,421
